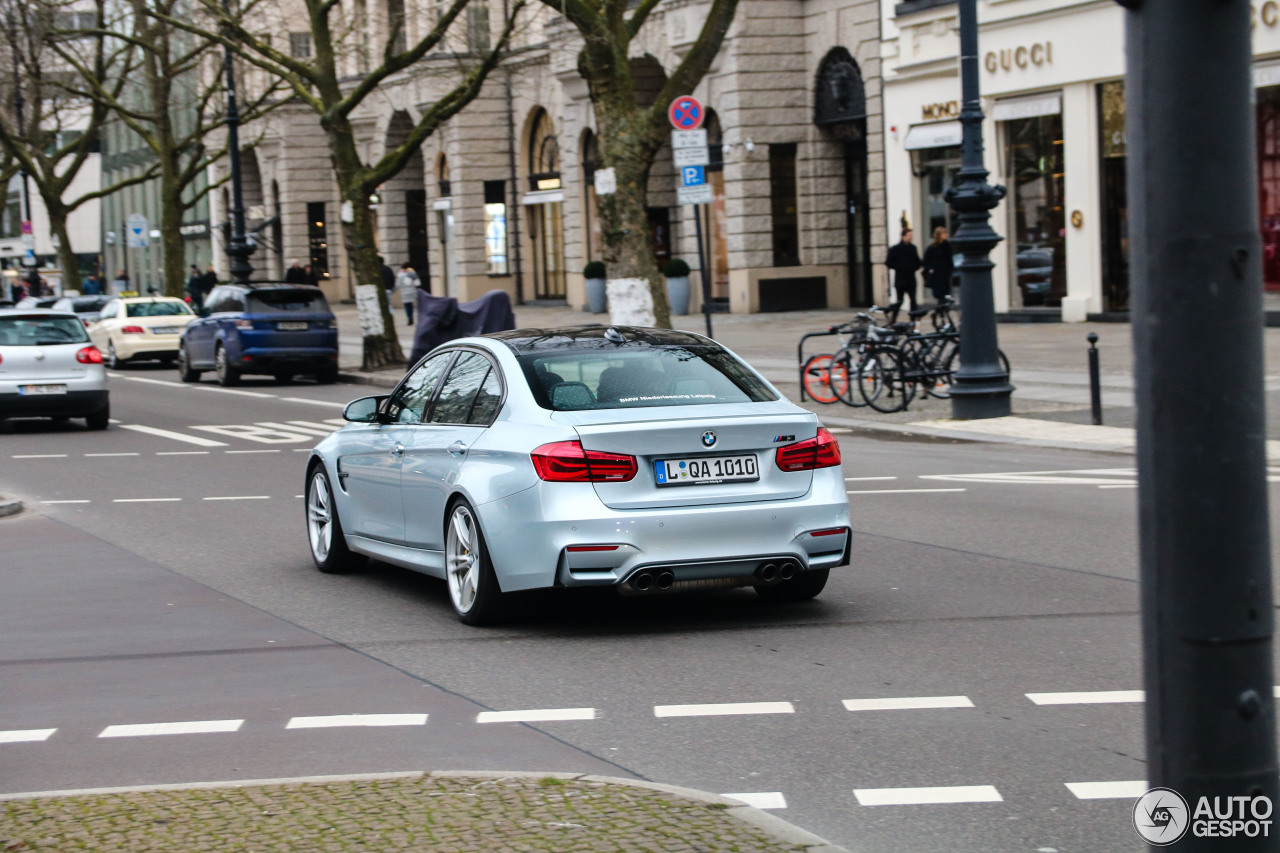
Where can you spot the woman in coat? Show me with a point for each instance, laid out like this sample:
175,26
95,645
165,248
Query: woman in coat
938,264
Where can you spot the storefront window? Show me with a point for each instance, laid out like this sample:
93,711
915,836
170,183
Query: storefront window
1036,179
495,227
1112,145
937,171
1269,183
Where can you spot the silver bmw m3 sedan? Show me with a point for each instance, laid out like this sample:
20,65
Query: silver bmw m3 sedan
647,460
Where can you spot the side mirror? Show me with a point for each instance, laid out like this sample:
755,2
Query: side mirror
364,410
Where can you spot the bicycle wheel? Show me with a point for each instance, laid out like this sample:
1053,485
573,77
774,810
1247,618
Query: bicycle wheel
881,383
848,360
939,374
821,381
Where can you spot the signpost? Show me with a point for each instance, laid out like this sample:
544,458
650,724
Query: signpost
691,157
135,231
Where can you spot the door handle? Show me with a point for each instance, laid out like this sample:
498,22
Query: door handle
398,450
457,448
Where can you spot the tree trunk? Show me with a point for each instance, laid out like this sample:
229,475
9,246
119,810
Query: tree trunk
174,246
624,228
66,254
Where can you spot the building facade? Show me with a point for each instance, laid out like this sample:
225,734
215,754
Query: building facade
503,195
1052,81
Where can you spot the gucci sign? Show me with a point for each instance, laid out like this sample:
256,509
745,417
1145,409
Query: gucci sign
1025,56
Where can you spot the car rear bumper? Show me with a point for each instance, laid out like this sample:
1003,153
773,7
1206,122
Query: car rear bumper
147,346
529,535
72,404
269,360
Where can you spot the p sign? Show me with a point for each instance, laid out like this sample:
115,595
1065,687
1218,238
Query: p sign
685,113
692,176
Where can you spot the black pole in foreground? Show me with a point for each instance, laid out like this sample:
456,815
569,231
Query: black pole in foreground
981,386
702,268
1204,547
240,248
1095,380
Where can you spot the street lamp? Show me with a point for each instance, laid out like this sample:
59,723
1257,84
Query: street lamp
240,248
981,386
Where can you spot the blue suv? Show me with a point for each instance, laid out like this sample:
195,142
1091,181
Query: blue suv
275,329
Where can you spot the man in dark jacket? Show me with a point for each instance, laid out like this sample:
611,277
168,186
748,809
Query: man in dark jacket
388,276
209,281
195,288
295,274
904,260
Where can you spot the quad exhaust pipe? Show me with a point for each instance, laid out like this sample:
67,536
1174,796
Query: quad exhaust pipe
651,581
771,572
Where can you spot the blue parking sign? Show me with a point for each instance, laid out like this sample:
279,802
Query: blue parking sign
692,176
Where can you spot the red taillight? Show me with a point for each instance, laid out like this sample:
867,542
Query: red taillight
822,451
567,462
576,548
830,531
244,324
133,330
89,355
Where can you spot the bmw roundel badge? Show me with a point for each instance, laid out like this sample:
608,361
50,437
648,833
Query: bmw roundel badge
708,439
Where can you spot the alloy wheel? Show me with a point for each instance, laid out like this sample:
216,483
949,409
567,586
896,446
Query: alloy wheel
462,559
319,517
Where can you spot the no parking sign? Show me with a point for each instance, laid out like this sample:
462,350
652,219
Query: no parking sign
685,113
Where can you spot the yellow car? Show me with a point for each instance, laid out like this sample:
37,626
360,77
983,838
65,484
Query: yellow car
138,328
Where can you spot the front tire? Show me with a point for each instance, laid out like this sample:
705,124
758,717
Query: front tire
802,587
473,587
227,375
185,373
324,529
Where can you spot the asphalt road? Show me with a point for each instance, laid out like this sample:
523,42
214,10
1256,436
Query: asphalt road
161,578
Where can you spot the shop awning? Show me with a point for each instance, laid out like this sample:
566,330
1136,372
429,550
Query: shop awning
938,134
542,197
1037,105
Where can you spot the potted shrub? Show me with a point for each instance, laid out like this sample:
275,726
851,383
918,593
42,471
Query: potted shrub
594,273
677,273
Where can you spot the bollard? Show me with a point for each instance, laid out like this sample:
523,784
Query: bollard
1095,381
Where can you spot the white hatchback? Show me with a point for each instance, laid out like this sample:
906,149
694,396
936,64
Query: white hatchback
139,328
49,368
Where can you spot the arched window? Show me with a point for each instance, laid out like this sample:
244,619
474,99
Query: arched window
544,155
840,97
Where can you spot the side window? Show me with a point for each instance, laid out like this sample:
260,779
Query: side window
214,302
410,399
109,311
234,301
485,407
460,389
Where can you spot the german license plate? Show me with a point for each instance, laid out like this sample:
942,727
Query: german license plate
33,390
166,330
292,327
705,471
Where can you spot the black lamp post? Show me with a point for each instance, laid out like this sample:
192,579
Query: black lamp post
240,248
981,386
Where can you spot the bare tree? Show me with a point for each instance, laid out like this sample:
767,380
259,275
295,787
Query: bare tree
339,76
628,135
60,127
174,106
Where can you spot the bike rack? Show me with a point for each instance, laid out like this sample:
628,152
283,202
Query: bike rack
833,330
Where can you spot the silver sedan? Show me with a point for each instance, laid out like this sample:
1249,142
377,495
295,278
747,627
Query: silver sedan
49,368
646,460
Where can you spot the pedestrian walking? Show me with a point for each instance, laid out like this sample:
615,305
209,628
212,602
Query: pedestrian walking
904,260
938,265
92,287
310,275
17,291
407,282
295,274
195,288
388,276
208,281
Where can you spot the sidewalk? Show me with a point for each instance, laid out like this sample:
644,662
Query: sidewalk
379,813
1049,361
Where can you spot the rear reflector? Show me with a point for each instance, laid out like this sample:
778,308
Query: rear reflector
567,462
89,355
576,548
831,531
821,451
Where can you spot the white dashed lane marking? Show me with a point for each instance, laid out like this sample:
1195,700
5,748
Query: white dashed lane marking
723,709
1095,697
927,796
65,502
541,715
145,500
761,799
87,455
40,456
26,735
900,491
240,498
908,703
345,720
1129,790
866,479
197,727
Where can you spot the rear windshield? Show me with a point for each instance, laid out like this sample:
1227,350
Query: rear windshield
269,301
89,305
574,380
156,309
39,331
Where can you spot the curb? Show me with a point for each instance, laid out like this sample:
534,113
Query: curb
362,378
10,506
780,830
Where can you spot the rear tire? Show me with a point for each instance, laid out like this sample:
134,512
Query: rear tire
473,587
327,376
114,361
802,587
281,378
324,529
185,373
227,375
99,419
